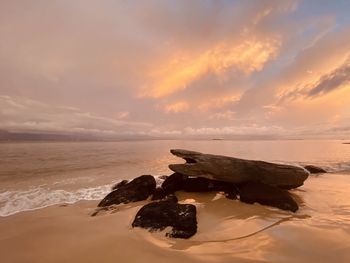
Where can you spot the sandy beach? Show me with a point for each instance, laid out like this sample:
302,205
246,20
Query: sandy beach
228,231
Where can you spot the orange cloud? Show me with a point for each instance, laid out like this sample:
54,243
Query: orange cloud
177,107
177,73
218,102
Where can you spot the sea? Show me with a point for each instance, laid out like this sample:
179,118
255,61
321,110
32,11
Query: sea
34,175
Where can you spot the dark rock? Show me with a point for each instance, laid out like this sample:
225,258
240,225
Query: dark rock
138,189
173,183
163,177
158,194
171,198
237,171
314,169
201,184
120,184
232,193
179,182
162,214
264,194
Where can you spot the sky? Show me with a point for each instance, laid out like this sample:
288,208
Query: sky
179,68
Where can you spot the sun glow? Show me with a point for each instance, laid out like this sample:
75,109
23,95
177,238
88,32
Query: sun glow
177,73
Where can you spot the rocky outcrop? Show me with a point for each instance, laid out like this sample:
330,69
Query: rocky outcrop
136,190
264,194
168,213
179,182
120,184
237,171
173,183
315,169
249,181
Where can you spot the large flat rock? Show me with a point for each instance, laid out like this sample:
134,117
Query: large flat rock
237,170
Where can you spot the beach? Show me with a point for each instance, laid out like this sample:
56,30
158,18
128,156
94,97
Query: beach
228,231
46,205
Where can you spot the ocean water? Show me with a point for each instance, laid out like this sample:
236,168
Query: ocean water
39,174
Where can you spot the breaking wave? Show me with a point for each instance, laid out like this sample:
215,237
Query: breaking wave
12,202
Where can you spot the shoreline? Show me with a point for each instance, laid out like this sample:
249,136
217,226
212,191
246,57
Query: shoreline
227,231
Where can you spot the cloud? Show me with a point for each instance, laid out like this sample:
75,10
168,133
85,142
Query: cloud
158,66
180,106
239,130
179,72
329,82
22,114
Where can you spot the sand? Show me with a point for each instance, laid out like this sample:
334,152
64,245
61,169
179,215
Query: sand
228,231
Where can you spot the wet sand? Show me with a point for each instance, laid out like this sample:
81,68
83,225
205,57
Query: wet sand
228,231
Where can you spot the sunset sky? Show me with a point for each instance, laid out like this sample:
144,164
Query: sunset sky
176,68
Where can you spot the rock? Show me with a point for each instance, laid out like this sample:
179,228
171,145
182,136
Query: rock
314,169
201,184
158,194
163,177
120,184
173,183
136,190
264,194
179,182
236,170
162,214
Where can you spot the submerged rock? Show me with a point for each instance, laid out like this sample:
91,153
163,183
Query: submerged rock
315,169
237,171
136,190
162,214
264,194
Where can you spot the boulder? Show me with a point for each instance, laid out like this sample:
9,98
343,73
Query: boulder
201,184
264,194
120,184
315,169
173,183
162,214
136,190
158,194
234,170
179,182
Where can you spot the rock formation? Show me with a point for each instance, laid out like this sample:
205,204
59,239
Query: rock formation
264,194
237,171
162,214
246,180
315,169
138,189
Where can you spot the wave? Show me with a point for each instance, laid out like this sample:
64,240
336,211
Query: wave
12,202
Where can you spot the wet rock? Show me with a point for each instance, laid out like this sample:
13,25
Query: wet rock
158,194
237,171
173,183
138,189
163,177
201,184
120,184
264,194
315,169
162,214
178,182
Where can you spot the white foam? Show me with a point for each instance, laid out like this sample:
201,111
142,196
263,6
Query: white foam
12,202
